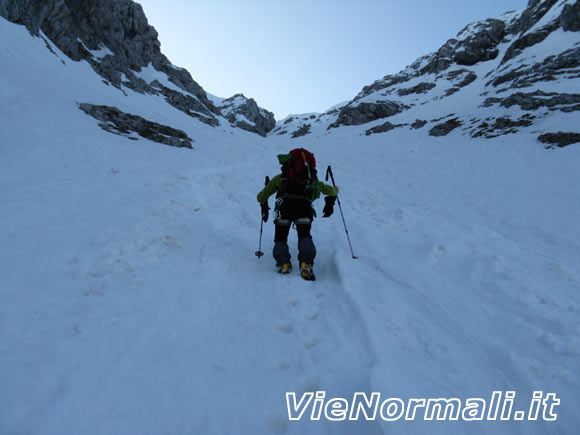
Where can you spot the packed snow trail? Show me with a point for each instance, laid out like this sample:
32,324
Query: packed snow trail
320,343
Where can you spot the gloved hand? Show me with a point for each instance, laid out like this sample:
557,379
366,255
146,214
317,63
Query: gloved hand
329,207
265,209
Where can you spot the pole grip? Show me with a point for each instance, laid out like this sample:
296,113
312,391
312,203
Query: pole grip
329,173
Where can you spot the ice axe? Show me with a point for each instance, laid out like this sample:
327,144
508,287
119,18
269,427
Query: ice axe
331,175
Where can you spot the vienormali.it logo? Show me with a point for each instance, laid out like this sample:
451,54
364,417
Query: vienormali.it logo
315,406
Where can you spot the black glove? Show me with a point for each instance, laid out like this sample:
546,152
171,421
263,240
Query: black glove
265,209
329,207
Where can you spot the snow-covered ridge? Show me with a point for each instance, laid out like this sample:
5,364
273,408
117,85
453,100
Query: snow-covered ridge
473,80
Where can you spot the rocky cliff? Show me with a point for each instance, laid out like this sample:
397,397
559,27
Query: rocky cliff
246,114
114,37
495,77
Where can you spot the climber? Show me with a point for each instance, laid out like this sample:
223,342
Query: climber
296,188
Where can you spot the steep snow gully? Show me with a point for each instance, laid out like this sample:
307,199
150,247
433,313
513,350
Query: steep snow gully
313,332
131,301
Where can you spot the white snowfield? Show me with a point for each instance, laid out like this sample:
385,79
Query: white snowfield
131,301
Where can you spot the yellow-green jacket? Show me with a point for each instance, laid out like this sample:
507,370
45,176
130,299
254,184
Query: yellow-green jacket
274,185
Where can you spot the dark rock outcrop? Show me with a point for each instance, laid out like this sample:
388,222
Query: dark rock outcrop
419,123
570,17
187,104
559,139
367,112
529,40
451,91
302,131
383,128
533,13
469,78
121,123
385,83
239,110
535,100
476,43
445,128
461,78
569,20
480,42
551,68
421,88
500,126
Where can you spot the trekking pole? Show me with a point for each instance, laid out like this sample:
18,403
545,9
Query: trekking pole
259,252
329,173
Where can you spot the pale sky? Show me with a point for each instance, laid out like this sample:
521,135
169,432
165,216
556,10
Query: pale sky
300,56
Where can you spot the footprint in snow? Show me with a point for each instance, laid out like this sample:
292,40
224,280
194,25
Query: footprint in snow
312,316
286,328
309,344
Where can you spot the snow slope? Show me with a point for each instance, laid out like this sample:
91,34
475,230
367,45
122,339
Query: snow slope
131,301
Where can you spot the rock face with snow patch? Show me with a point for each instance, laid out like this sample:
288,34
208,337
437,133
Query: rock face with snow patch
527,61
357,114
559,139
246,114
124,124
445,128
114,37
387,126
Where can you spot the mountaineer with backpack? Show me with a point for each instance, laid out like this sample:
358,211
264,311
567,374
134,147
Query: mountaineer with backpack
296,187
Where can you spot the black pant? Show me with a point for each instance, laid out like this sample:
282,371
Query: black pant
282,231
300,212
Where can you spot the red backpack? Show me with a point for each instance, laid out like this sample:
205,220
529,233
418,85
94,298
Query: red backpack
299,173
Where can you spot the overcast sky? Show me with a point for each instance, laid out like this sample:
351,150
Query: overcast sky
299,56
